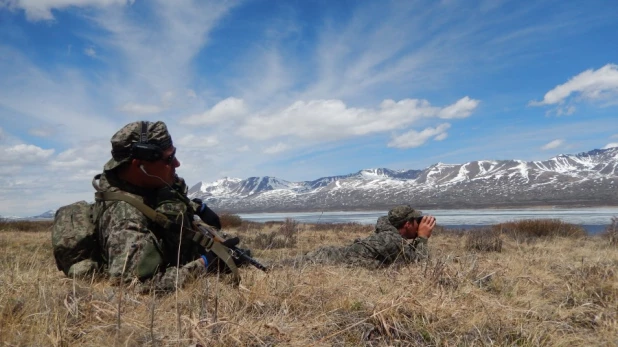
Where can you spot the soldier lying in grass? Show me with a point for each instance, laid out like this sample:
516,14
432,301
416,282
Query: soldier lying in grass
400,237
140,226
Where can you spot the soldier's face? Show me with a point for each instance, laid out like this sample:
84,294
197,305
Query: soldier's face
165,168
410,230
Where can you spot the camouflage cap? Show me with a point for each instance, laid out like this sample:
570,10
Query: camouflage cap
124,138
399,214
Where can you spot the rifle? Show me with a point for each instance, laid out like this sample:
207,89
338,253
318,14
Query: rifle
237,253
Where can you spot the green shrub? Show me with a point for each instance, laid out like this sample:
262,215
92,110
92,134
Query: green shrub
527,229
284,237
483,240
230,220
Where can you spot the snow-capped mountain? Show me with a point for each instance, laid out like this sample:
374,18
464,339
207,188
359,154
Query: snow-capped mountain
585,179
46,215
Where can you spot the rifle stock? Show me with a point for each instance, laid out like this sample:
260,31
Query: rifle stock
236,252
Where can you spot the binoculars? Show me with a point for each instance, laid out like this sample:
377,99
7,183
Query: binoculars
418,219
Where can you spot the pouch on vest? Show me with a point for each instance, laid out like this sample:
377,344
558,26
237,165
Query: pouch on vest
74,237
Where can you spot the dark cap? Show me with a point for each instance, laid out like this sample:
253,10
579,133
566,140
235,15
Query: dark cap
123,140
400,214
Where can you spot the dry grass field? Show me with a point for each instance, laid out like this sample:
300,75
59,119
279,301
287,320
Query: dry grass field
488,287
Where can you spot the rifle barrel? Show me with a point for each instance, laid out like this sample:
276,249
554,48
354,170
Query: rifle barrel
248,259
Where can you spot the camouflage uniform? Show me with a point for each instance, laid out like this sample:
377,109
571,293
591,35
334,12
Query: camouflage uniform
133,246
384,247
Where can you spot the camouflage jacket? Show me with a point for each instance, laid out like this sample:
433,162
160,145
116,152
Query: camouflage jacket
135,247
383,248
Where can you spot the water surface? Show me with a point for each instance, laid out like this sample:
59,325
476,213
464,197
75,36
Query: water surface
593,219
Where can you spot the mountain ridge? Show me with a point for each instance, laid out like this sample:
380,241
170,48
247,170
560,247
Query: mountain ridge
585,179
579,180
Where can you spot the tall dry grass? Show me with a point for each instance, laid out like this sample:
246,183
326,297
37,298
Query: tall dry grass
556,291
611,232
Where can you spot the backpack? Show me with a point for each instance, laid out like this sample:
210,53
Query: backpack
74,239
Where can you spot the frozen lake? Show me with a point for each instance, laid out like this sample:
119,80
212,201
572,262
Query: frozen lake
593,219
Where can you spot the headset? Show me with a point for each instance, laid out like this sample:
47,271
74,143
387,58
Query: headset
143,150
146,151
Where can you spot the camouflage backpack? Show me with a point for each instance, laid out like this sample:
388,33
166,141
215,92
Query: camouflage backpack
74,239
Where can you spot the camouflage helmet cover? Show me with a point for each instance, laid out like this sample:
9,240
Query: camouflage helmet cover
402,213
124,138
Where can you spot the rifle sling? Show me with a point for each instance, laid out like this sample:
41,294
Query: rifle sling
207,242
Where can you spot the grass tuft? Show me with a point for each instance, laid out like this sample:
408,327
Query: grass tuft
483,240
611,232
530,229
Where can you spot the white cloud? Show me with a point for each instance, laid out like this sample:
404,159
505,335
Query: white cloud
41,9
159,52
553,144
329,120
90,52
140,109
461,109
441,136
244,148
589,85
615,136
195,141
25,154
58,100
227,109
414,138
70,164
611,145
278,148
84,160
42,132
565,111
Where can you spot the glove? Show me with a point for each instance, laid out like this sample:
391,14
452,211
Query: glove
207,215
230,243
215,264
210,261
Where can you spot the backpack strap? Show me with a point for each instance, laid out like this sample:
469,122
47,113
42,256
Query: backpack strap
205,241
148,211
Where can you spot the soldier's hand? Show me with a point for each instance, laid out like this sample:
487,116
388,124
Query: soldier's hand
229,243
426,226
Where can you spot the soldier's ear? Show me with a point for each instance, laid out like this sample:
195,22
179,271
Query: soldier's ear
136,163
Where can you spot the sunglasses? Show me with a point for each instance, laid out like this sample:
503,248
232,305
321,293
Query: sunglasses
172,157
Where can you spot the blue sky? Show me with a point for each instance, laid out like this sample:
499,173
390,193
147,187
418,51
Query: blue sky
298,89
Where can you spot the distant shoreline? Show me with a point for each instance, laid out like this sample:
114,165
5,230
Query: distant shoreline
421,207
383,208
